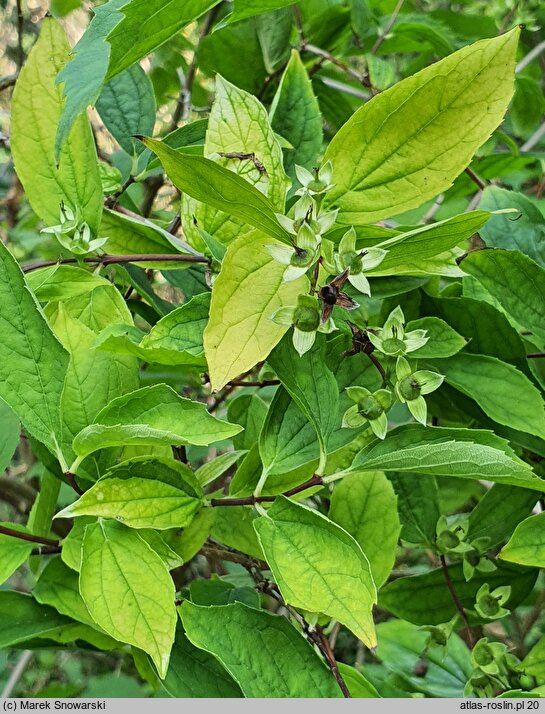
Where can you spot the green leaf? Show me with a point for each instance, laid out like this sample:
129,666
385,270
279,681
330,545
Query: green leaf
239,138
212,470
263,652
128,590
58,587
234,527
357,685
248,8
248,410
400,648
13,551
534,662
418,507
464,453
502,392
318,566
527,544
248,290
410,252
142,493
443,340
211,183
523,231
36,110
425,599
127,106
62,282
311,385
192,673
365,505
152,415
506,274
127,236
32,361
23,618
9,436
410,142
72,544
295,115
187,542
499,511
528,106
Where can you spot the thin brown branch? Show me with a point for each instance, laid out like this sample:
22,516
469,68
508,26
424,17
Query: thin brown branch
71,478
325,648
8,81
477,180
20,29
389,25
218,401
112,200
263,383
535,355
252,500
232,556
457,601
379,367
27,536
324,55
114,259
47,550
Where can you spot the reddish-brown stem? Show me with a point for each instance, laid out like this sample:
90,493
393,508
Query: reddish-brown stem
252,500
47,550
71,478
115,259
457,601
535,355
327,651
477,180
27,536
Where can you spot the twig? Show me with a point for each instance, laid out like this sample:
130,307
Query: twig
323,54
20,27
533,617
325,648
112,200
535,355
8,81
530,57
113,259
222,397
71,478
345,88
232,556
476,179
16,674
379,367
27,536
252,500
457,601
389,25
536,137
47,550
264,383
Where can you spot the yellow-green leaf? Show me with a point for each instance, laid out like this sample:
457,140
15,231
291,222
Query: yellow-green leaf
527,544
410,142
248,290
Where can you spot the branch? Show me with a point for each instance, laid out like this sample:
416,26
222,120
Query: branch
323,54
535,355
389,25
534,139
325,647
113,259
8,81
232,556
457,601
530,57
476,179
47,550
20,26
252,500
27,536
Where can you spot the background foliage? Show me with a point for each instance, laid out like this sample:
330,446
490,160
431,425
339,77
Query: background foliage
271,375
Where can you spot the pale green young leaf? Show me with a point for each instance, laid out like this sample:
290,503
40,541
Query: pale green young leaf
36,109
506,395
443,341
409,143
527,544
208,182
365,505
318,566
295,115
211,470
127,236
506,275
534,662
440,451
159,545
72,544
127,107
13,551
62,282
97,310
32,362
263,652
182,329
128,590
142,493
247,292
152,415
240,138
58,587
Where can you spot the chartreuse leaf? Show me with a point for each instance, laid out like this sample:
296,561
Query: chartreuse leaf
71,545
128,590
506,395
32,362
424,599
246,293
506,274
13,551
152,415
142,493
410,142
62,282
365,505
443,341
241,139
311,385
295,115
23,618
318,566
208,182
9,436
527,544
263,652
192,672
127,106
439,451
35,112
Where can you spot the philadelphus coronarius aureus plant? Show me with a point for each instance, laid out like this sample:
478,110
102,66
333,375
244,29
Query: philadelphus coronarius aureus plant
393,340
369,407
73,233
